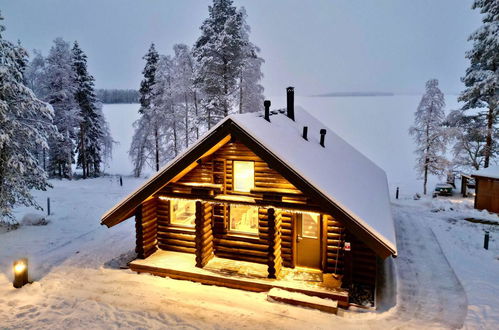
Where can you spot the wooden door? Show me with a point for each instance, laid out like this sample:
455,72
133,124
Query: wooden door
308,240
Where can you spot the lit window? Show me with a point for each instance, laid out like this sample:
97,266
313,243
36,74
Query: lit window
244,176
183,213
244,219
310,225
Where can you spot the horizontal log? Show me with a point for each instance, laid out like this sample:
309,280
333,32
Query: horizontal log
333,249
241,244
148,222
174,229
202,261
173,235
149,236
148,213
178,242
204,236
149,245
334,236
240,257
253,253
206,241
176,248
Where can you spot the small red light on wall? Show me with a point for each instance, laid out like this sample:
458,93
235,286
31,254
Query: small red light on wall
20,272
348,247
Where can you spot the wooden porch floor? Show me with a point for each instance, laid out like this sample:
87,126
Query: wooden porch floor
237,275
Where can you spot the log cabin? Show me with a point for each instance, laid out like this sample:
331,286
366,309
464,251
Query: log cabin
276,189
487,189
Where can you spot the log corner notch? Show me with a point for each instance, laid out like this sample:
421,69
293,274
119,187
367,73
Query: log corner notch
274,251
146,229
204,233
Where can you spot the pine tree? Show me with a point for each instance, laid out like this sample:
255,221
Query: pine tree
156,137
93,135
25,123
482,76
250,90
429,133
149,72
60,90
218,53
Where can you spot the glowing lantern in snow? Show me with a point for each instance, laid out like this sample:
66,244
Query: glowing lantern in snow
20,272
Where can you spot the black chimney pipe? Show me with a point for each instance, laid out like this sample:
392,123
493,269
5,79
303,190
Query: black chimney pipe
305,131
323,136
266,104
290,93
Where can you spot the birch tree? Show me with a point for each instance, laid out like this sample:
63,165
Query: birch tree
429,133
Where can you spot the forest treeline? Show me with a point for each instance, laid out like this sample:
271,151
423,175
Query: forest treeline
185,93
111,96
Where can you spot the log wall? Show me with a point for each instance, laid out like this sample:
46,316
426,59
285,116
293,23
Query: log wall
274,262
288,239
334,240
363,263
173,238
210,169
146,229
204,233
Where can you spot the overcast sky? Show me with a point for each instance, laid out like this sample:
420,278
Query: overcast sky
316,46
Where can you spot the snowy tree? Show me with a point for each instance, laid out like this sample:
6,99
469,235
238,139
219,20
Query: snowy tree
60,90
482,76
156,137
149,72
250,91
429,133
93,136
184,91
34,74
25,124
218,53
469,133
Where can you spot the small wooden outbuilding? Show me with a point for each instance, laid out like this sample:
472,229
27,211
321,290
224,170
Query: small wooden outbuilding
274,189
487,189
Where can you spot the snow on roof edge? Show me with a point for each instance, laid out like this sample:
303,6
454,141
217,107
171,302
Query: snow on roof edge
489,172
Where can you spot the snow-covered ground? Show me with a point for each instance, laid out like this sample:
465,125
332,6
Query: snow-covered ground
445,277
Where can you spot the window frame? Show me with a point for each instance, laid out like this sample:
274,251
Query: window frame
234,191
173,215
235,232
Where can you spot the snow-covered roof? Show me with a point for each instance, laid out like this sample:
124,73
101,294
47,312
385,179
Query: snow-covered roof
489,172
343,174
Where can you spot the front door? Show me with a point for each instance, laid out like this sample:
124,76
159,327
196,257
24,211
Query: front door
308,240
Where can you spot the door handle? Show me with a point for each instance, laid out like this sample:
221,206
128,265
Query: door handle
298,238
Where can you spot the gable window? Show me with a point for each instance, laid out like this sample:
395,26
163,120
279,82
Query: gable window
244,219
244,176
182,213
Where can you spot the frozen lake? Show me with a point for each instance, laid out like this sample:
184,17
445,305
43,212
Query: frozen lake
377,126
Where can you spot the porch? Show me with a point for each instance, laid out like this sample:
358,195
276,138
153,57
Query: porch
240,275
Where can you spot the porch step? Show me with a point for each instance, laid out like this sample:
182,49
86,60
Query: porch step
301,299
